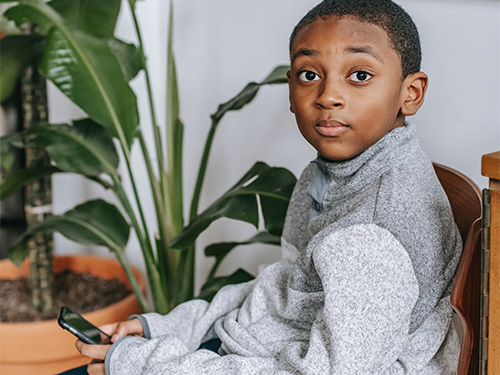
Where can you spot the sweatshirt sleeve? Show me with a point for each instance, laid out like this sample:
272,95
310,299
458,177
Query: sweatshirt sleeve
370,290
169,338
168,355
171,347
191,322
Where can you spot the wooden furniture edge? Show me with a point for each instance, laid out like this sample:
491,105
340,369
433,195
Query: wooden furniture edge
490,166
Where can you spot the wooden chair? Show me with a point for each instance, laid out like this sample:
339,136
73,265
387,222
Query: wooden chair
465,200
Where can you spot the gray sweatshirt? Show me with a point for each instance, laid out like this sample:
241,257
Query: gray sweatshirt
370,249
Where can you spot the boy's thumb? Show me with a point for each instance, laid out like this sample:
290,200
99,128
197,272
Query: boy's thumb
115,337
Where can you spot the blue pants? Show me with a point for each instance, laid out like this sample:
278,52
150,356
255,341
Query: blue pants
212,345
76,371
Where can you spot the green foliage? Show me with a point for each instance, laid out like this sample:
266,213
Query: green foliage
240,203
95,17
221,249
211,287
85,147
278,75
16,52
70,62
95,222
77,51
21,178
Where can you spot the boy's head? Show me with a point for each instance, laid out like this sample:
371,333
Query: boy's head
355,74
387,15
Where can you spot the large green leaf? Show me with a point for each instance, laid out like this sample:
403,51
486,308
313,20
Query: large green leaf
245,96
240,201
16,52
6,153
95,17
278,75
129,57
19,179
175,135
274,213
275,182
274,187
85,148
211,287
13,182
237,207
27,11
85,69
93,223
222,249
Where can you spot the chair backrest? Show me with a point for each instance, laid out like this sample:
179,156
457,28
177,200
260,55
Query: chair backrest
465,200
464,196
466,299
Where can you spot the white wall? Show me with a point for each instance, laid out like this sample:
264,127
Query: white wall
220,45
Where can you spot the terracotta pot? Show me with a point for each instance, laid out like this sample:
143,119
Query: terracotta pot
43,347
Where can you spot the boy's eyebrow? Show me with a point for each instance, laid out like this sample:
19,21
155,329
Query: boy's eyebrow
360,49
304,52
363,49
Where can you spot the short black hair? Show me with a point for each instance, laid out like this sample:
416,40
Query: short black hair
386,14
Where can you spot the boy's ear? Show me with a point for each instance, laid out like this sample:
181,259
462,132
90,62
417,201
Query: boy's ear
289,76
414,87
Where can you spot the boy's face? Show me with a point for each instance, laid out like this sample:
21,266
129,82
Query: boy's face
346,86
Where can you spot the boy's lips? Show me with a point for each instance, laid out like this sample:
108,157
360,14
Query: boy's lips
330,128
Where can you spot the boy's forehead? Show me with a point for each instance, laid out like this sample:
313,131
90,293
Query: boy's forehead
346,32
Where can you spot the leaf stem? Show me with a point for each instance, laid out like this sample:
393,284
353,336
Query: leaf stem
214,269
162,266
154,123
133,281
159,295
202,170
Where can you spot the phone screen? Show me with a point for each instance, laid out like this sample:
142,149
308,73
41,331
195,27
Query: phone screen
79,326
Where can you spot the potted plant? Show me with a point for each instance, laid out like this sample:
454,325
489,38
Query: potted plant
80,55
42,347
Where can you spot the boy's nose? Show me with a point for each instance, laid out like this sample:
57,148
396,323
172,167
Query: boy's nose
330,97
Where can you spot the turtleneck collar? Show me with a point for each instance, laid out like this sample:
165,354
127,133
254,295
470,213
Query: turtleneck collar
358,171
381,150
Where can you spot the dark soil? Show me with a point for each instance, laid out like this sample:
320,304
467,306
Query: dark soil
82,292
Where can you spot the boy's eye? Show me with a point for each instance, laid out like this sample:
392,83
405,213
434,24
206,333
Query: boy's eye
308,76
360,76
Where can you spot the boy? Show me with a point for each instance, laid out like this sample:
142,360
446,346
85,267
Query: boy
369,246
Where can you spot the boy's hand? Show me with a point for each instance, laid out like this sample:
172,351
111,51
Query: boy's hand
98,353
118,330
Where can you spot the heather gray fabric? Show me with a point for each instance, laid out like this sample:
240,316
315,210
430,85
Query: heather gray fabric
369,254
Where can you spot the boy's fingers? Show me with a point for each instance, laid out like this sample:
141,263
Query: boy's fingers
96,368
109,328
127,328
92,351
121,331
104,339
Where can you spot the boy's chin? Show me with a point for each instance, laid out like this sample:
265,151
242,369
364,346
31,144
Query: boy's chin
338,156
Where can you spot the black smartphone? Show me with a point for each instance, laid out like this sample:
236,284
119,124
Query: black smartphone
80,327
